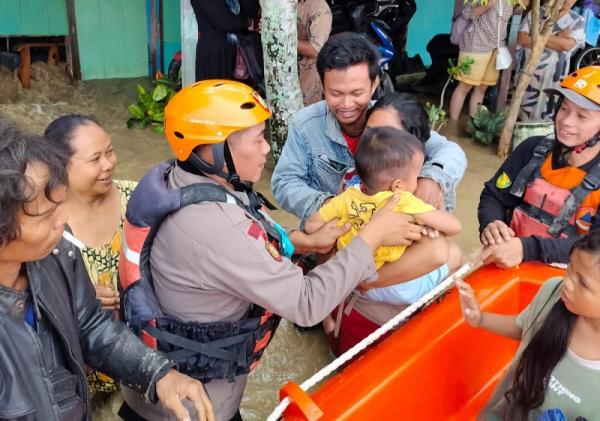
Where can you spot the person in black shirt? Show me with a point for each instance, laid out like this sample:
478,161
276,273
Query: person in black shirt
547,192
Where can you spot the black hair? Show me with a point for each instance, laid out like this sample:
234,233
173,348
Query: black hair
546,348
60,131
17,151
383,154
348,49
411,113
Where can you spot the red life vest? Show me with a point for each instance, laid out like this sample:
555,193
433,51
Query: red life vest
549,210
541,204
204,351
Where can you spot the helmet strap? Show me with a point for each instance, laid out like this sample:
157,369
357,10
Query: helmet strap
197,165
221,155
592,142
257,200
233,178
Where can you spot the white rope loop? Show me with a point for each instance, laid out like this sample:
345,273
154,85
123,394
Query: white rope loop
472,263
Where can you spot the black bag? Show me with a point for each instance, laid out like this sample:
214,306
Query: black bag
251,48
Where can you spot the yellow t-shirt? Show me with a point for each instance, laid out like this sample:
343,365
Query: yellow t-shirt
356,207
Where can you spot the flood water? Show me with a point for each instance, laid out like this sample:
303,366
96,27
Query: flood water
292,354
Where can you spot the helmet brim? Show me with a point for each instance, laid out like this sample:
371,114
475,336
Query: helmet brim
573,96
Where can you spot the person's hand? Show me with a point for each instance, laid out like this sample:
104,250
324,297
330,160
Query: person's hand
174,387
429,191
505,255
431,232
566,33
469,305
390,228
108,297
324,238
495,233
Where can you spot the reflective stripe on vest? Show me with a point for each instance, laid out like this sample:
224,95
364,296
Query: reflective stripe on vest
132,241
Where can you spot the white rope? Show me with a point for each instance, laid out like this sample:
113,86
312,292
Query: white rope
473,262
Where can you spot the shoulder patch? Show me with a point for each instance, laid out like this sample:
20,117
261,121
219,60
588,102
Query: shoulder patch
503,181
256,231
273,251
583,219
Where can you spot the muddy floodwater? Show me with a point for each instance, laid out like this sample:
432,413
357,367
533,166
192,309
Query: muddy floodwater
292,354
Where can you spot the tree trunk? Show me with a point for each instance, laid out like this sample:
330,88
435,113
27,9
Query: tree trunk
279,40
540,31
189,38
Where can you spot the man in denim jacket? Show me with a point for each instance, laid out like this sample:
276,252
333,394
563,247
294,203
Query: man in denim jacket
322,136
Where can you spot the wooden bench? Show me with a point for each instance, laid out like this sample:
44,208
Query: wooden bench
24,71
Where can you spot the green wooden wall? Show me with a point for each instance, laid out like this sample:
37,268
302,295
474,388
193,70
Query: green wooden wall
112,37
33,17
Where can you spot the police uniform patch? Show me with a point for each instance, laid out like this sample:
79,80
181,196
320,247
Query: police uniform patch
273,251
255,231
503,181
583,219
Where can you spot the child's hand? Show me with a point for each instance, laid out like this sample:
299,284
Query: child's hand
431,232
468,303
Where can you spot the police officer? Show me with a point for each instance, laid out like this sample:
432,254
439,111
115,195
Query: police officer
547,192
213,263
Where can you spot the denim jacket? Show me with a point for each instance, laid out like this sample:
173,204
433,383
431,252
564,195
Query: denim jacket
315,158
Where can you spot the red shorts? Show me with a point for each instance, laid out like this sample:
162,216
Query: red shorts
354,328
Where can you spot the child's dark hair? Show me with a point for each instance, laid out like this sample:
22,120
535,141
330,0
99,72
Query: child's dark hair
383,154
348,49
411,113
547,347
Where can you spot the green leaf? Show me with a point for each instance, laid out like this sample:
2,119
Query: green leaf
143,123
158,129
159,92
140,90
154,107
130,122
136,111
166,82
159,117
145,99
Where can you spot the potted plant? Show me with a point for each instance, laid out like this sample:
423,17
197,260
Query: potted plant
149,110
485,125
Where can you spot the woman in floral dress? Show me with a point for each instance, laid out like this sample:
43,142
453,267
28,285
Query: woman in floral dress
95,208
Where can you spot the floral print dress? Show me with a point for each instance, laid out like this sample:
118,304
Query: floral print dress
102,266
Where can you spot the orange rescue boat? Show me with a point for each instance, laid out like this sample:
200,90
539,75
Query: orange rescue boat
435,367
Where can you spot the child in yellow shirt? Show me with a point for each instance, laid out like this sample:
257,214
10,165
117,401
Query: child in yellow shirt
388,162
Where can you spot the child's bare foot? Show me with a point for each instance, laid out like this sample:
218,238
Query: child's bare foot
328,325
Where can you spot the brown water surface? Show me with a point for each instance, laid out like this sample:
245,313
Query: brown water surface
291,355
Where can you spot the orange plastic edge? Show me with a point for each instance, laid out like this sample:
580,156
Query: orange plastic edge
301,404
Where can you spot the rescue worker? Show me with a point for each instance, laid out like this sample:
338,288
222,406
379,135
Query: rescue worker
216,261
547,192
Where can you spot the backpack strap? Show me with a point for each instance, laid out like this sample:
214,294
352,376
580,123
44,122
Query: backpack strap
528,172
590,183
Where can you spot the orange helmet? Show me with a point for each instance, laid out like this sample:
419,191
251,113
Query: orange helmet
207,112
582,87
